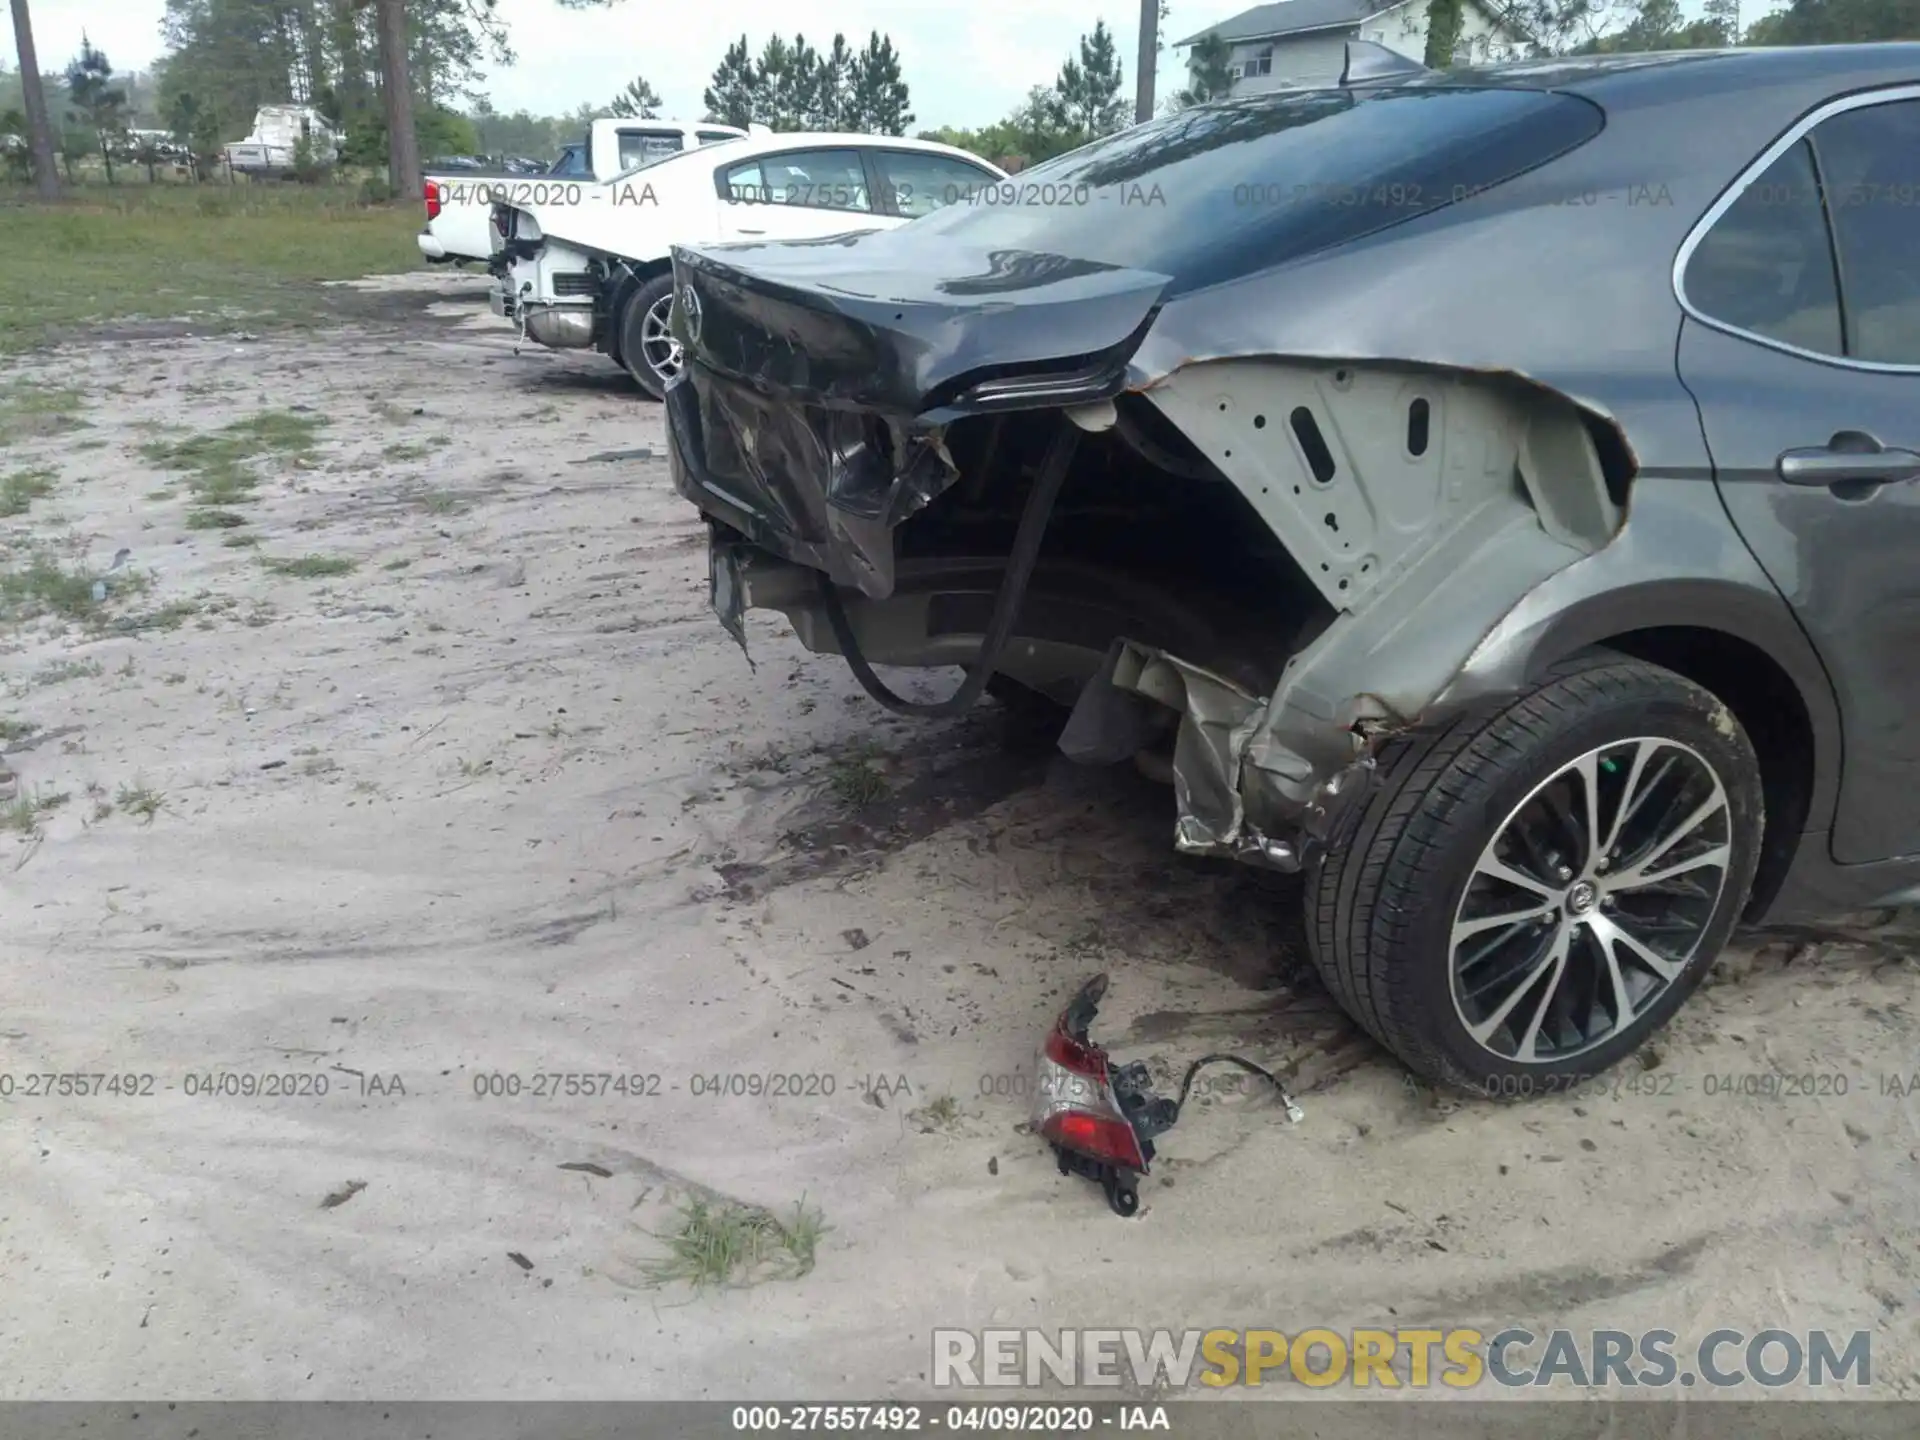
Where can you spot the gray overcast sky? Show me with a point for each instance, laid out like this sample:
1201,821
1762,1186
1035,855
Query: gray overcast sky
968,62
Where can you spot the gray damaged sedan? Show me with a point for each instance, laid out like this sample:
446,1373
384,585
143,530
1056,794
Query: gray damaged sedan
1488,493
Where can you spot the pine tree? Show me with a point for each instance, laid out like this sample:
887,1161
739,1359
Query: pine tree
879,94
1208,77
637,101
1089,88
733,97
100,103
833,90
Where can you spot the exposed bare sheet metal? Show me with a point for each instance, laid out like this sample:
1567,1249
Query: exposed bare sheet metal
1113,721
1423,506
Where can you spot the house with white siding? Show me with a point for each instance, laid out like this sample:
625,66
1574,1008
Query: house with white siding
1303,43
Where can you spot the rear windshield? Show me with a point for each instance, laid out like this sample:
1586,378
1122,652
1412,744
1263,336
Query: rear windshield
1223,190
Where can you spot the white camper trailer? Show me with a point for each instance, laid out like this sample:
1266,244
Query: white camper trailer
273,146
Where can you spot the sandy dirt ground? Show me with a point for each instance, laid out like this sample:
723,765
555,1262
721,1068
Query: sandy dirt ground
504,800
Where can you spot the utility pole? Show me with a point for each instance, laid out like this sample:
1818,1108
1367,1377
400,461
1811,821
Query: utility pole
1144,66
46,179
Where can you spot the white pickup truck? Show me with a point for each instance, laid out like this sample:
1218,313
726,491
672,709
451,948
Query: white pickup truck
459,201
596,270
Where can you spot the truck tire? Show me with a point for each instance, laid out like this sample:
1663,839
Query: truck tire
1529,893
647,346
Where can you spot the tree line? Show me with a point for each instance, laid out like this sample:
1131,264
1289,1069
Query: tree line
362,62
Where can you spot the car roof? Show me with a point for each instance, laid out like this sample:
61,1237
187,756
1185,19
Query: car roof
747,147
1687,69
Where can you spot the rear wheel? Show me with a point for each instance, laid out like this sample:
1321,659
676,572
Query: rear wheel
647,347
1528,895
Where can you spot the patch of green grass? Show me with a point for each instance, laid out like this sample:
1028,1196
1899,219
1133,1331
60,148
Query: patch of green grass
141,800
31,410
855,779
61,671
407,450
170,616
442,502
729,1244
12,730
23,813
240,542
214,519
220,464
43,586
309,567
21,488
129,252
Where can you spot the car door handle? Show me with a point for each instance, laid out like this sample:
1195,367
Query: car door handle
1850,456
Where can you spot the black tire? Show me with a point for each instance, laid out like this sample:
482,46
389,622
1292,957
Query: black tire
632,344
1384,897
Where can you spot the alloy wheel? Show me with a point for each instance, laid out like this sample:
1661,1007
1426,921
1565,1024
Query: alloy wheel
657,346
1590,900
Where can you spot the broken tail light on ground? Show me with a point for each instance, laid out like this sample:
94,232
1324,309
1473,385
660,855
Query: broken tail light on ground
1101,1118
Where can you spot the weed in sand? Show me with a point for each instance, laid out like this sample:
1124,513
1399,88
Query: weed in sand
220,464
12,730
396,565
29,410
46,587
855,779
214,520
141,800
442,502
61,671
722,1243
240,542
23,813
309,567
170,616
936,1114
21,488
407,450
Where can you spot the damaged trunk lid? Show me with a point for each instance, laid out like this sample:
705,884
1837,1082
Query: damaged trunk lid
819,390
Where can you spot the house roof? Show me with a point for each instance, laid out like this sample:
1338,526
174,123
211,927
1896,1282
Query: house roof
1292,17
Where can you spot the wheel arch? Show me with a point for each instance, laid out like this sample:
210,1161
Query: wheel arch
1745,647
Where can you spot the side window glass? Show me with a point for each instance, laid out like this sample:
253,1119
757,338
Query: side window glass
921,183
1766,266
1870,164
819,179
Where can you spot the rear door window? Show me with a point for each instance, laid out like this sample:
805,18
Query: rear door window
1870,164
1821,251
1766,266
919,182
818,179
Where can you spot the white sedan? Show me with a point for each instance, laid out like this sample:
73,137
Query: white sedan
598,273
